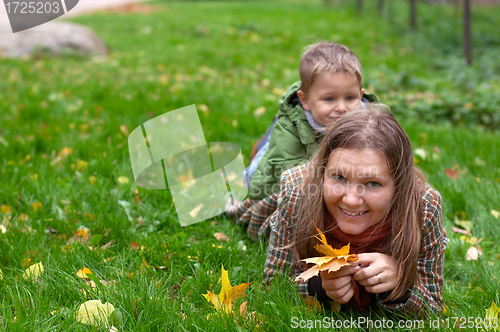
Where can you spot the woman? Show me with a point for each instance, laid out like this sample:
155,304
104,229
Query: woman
362,188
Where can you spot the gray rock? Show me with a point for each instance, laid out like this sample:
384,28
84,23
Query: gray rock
56,37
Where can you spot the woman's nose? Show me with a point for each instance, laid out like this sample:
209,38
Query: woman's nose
352,197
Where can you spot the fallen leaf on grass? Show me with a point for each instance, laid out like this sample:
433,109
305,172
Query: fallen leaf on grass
461,231
194,212
5,209
123,180
1,275
332,261
221,237
134,245
451,173
420,152
109,244
3,229
259,111
81,165
81,235
124,130
473,254
204,108
34,271
23,217
84,272
94,312
472,240
465,224
36,206
228,294
66,151
495,214
492,312
187,180
278,91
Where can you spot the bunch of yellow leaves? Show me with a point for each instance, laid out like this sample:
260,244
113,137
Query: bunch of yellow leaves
228,294
332,261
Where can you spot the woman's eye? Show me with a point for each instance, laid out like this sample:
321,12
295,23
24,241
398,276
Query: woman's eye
338,177
374,184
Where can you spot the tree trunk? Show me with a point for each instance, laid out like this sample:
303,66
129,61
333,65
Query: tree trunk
380,5
327,3
359,5
467,33
413,14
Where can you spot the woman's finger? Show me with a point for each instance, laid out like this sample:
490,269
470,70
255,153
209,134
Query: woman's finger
344,271
371,281
335,283
342,295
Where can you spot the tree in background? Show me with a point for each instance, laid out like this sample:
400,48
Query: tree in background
467,33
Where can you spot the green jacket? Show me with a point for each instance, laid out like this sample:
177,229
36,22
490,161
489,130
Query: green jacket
293,141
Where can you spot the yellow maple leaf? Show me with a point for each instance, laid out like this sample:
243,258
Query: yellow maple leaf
123,179
333,260
187,180
36,206
228,294
66,151
492,315
82,232
83,272
492,311
5,209
34,271
94,312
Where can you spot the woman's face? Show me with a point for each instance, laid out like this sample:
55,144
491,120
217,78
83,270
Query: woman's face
358,189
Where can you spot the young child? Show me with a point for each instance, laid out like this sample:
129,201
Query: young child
330,86
362,188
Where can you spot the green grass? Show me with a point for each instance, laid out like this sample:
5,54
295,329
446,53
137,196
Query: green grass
233,57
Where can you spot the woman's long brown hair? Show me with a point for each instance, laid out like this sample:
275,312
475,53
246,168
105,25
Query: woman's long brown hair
371,128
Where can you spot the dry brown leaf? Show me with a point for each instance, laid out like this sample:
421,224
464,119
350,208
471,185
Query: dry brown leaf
473,254
451,173
332,261
221,237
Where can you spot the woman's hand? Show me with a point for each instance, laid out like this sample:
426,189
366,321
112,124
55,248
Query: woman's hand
378,272
338,285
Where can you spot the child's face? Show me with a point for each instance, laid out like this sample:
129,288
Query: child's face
358,189
330,96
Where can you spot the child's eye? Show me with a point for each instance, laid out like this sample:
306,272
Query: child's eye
350,98
329,99
374,184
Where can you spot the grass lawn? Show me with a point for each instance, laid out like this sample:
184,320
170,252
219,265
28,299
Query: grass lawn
67,194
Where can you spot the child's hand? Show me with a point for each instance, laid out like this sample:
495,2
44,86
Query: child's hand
338,285
378,272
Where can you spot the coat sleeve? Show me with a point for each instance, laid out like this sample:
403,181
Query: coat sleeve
285,151
280,256
427,294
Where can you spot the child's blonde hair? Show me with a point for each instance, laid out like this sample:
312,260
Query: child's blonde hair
329,57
